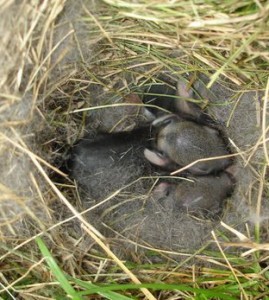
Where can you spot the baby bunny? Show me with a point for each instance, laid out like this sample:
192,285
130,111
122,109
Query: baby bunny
204,196
180,100
109,161
179,143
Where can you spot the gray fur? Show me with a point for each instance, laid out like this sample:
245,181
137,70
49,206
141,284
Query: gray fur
202,196
184,142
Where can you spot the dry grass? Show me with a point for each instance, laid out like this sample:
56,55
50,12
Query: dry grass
48,70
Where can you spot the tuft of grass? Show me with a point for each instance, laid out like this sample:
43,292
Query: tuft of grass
65,281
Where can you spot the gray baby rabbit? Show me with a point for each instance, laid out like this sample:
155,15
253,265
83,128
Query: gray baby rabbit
203,196
179,142
180,99
103,163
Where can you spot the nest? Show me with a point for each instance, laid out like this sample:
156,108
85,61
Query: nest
67,68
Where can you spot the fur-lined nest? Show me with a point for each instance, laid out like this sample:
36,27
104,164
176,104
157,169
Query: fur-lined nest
70,67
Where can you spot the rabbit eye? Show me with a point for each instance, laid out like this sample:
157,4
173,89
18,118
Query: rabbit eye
167,192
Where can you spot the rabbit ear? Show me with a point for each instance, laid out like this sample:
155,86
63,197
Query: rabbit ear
164,120
162,190
183,90
185,93
156,158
